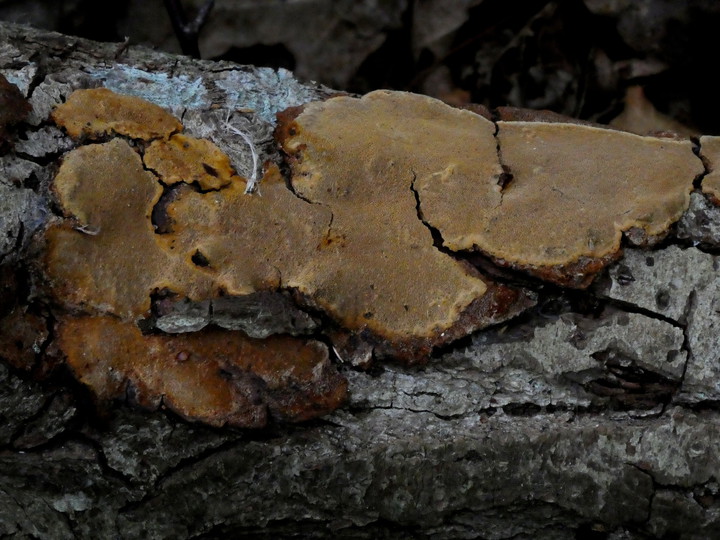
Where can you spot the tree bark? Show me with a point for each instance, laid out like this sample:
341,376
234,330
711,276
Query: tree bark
596,413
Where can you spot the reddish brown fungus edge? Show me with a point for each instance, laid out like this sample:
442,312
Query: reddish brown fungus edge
498,304
576,275
287,127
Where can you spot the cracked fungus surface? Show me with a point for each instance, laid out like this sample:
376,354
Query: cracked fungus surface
95,112
219,377
710,151
355,246
109,259
574,190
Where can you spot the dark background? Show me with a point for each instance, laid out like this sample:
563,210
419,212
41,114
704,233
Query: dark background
575,57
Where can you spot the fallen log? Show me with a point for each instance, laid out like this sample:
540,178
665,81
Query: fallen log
587,404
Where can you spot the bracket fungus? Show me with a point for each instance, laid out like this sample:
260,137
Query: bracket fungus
216,376
552,199
105,261
349,239
575,190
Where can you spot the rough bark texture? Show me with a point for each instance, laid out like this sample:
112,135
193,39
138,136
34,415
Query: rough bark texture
595,414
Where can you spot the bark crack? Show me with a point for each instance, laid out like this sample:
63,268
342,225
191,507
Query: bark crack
697,150
651,497
689,308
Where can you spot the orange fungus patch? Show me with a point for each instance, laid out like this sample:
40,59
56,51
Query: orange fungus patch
187,159
96,112
218,377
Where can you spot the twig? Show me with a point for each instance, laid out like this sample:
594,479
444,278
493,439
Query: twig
188,32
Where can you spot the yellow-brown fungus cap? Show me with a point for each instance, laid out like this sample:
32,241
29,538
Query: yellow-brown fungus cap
574,190
377,267
96,112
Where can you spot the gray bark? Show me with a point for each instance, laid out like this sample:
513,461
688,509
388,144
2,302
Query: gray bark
597,413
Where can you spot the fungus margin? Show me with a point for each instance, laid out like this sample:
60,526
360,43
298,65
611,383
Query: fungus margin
710,152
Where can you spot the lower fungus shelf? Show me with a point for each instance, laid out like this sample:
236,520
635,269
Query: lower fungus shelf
215,376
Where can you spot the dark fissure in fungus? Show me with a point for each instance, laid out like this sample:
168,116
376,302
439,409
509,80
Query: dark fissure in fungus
210,170
199,259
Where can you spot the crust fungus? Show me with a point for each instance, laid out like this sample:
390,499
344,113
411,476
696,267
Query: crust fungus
187,159
550,198
710,151
218,377
383,189
96,112
109,260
